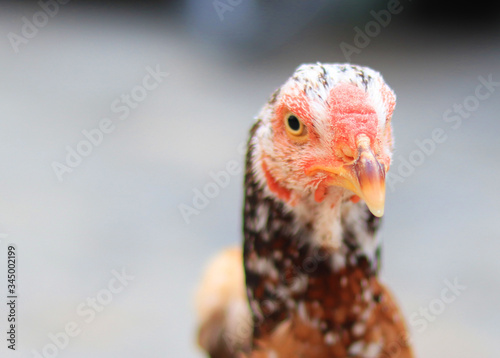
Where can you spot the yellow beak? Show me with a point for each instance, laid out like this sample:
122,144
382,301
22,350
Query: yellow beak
370,175
365,177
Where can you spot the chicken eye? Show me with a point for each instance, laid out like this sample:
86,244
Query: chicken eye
293,123
294,126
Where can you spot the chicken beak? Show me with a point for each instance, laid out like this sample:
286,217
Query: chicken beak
365,177
370,177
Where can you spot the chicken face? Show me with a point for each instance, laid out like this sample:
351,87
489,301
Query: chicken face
328,127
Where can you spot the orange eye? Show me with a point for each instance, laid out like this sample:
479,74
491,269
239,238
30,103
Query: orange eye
295,128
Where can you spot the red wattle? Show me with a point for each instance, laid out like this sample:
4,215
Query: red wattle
355,199
320,193
282,193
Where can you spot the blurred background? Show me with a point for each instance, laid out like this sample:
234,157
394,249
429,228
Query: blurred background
114,115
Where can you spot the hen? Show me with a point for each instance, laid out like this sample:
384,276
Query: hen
306,283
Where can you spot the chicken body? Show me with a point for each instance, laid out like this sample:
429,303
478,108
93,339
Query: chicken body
305,284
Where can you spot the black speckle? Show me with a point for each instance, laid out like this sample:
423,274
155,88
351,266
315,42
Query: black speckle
372,223
274,96
322,76
364,80
252,278
349,239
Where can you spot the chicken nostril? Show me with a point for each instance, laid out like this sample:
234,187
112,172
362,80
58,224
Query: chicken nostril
346,153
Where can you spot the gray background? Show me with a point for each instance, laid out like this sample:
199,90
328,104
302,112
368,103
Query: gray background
119,208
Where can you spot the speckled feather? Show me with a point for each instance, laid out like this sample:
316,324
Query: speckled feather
311,267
